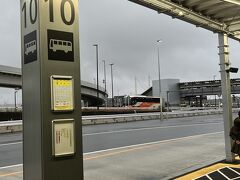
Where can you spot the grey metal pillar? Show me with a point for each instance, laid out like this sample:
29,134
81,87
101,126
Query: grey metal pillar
112,83
226,93
15,98
52,131
168,101
201,104
96,45
105,82
159,80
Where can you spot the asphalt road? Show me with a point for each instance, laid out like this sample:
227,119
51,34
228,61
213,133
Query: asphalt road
102,137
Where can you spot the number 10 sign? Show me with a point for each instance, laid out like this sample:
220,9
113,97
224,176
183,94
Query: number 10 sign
58,25
67,17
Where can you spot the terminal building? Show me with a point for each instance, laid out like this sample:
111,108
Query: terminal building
170,91
176,93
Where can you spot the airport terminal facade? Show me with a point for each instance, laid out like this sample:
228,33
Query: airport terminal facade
194,93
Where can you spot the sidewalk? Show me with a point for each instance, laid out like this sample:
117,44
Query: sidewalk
152,161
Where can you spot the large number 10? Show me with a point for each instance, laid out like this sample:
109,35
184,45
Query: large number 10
33,18
62,10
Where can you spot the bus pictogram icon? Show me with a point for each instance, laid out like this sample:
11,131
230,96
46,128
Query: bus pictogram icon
30,47
60,45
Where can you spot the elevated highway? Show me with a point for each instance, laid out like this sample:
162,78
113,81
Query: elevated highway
197,91
11,77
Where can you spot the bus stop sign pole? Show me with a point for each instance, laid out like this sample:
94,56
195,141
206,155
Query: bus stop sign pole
52,131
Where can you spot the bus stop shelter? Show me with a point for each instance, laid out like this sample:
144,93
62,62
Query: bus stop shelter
218,16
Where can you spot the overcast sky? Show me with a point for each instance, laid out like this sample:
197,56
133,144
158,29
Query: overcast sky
127,35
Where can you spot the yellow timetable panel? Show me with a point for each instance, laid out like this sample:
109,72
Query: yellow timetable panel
62,93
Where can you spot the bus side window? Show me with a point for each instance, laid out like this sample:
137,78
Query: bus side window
64,43
69,44
55,42
60,42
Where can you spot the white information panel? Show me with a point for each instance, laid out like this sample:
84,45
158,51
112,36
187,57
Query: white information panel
63,137
62,93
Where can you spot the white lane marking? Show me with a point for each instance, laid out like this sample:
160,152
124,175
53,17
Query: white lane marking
11,166
148,128
151,143
128,130
9,144
131,146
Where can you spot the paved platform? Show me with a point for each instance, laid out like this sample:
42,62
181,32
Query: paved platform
152,161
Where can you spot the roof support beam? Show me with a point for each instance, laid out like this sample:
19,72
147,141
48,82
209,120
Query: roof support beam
232,1
217,8
180,12
191,3
189,15
234,27
226,13
204,5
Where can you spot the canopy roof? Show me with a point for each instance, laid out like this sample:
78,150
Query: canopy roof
220,16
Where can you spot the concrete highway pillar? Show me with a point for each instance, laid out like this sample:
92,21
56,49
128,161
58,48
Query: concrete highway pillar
52,131
226,92
201,103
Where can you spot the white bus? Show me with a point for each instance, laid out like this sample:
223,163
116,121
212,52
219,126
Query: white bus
30,47
61,45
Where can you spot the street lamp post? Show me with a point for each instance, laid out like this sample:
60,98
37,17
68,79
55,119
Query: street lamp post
215,100
112,83
105,81
168,101
96,45
15,98
159,79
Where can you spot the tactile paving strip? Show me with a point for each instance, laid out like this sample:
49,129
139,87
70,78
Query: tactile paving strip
226,173
218,171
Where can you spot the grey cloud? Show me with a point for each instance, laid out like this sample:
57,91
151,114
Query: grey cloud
127,34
